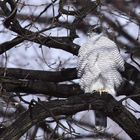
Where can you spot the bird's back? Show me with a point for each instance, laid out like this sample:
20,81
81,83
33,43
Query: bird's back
99,61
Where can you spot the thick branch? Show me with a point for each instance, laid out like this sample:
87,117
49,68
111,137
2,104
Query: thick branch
35,81
106,103
10,44
49,76
40,87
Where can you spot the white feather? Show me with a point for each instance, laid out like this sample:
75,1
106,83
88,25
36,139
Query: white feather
99,62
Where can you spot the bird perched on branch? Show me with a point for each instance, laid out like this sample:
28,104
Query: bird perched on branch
99,67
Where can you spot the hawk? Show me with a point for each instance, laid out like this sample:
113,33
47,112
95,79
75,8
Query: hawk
99,66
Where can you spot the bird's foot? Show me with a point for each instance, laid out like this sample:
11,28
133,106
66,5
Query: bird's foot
101,91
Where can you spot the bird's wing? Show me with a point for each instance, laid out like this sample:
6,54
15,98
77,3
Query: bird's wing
118,60
86,61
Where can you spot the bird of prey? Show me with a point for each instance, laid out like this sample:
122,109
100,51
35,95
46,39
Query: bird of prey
99,66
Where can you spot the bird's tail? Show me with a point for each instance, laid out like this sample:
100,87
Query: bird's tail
100,120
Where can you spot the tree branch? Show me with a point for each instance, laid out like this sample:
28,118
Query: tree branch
39,87
72,105
64,43
10,44
49,76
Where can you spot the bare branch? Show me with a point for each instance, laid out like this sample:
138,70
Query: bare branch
48,76
75,104
39,87
10,44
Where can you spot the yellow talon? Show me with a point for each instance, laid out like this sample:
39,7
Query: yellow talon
101,91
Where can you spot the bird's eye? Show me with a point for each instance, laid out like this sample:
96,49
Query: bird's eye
97,30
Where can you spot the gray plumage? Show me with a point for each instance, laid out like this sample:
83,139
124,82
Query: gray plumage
99,64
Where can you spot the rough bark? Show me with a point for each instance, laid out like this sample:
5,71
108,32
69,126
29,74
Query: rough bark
41,110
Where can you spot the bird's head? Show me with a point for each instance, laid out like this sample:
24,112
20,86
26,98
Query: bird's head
95,30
